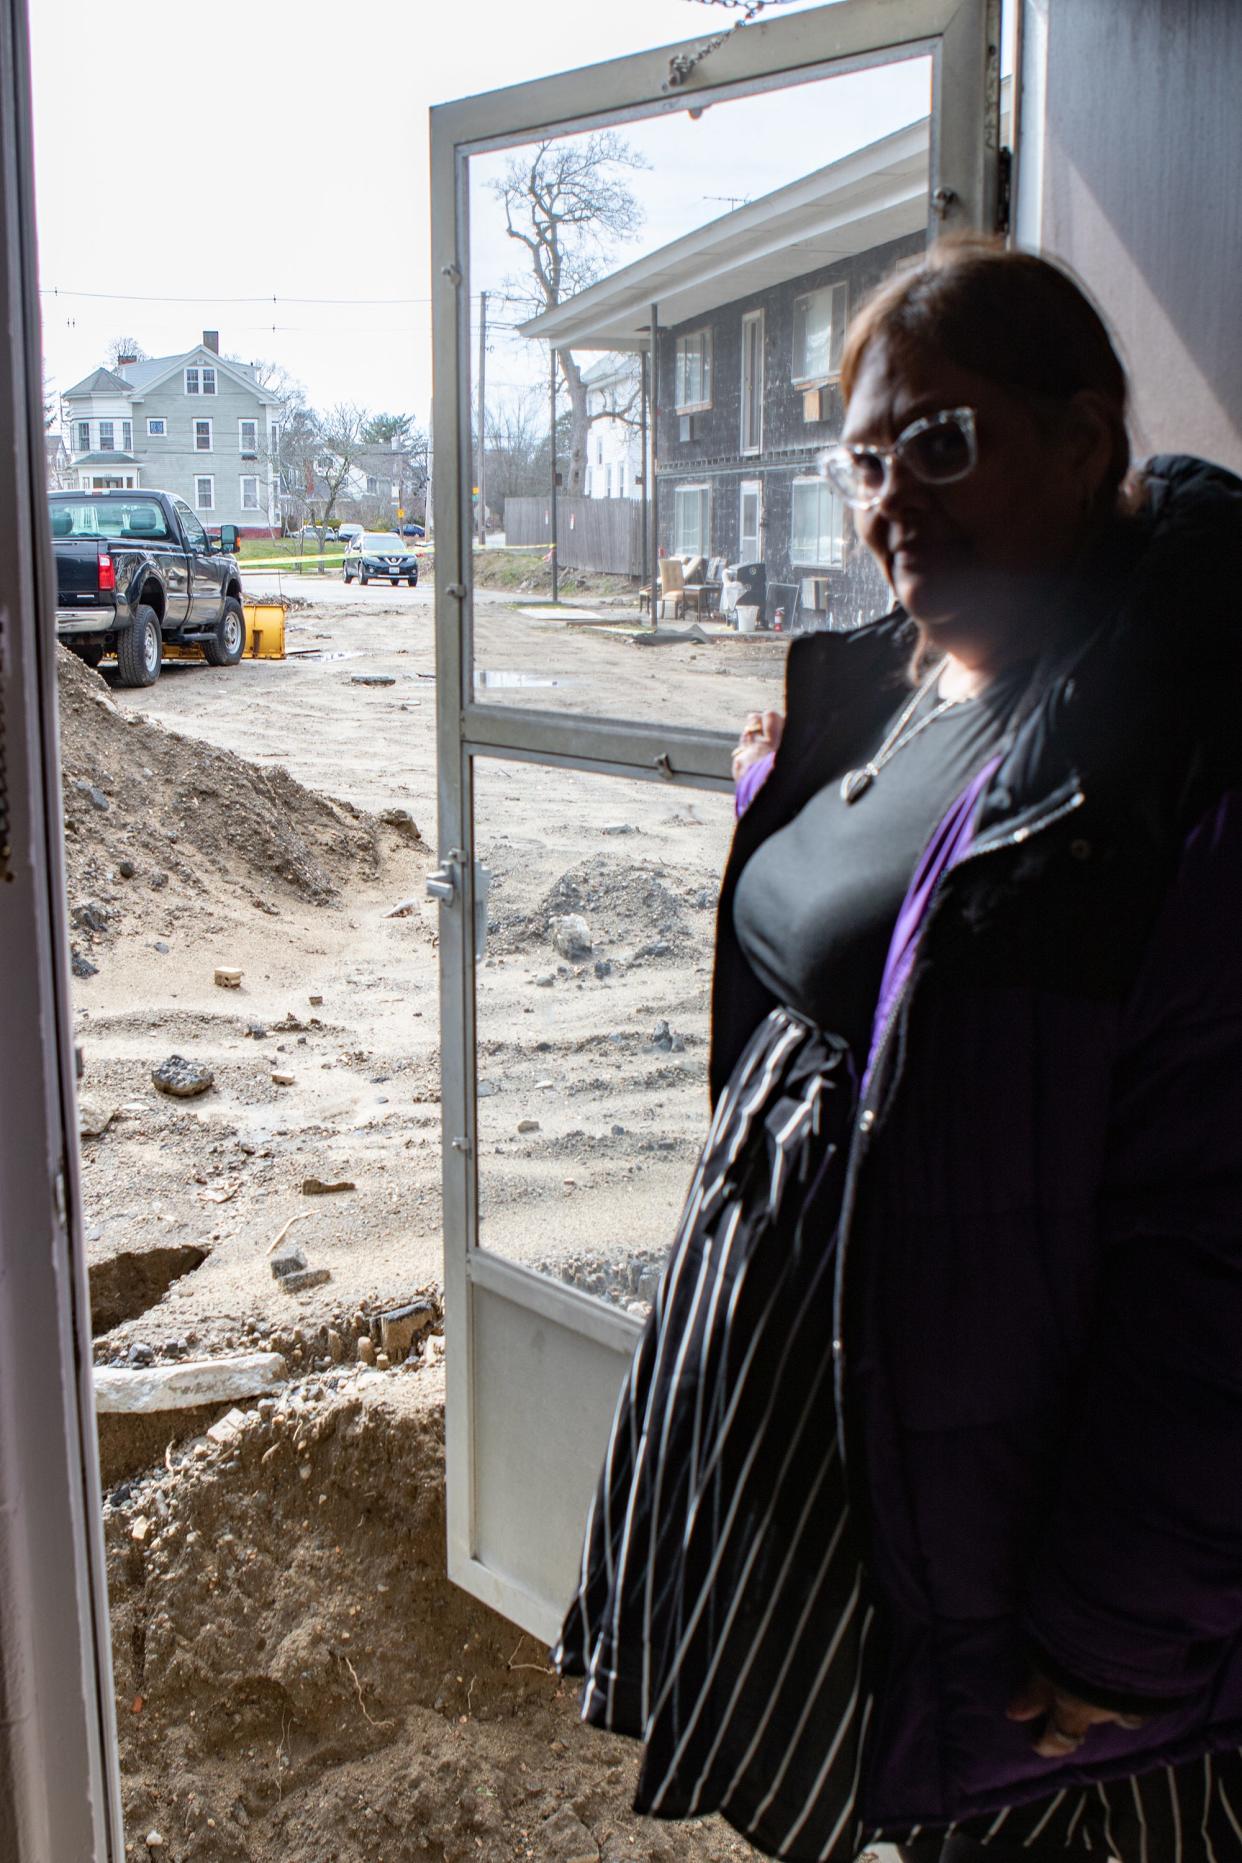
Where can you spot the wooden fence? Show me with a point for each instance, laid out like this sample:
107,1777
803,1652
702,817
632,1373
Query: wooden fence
591,533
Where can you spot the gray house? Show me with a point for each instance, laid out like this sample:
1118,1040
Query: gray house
194,424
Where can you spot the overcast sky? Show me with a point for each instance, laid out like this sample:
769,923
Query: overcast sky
262,169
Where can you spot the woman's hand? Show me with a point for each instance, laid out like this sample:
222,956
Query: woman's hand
1063,1720
761,735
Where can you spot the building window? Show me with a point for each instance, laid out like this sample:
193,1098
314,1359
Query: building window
818,334
599,449
205,493
752,382
373,485
209,381
621,480
84,436
192,385
817,538
107,436
691,520
157,428
250,492
274,434
607,481
127,436
202,436
692,386
248,438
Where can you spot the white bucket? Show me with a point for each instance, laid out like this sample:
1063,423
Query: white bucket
747,619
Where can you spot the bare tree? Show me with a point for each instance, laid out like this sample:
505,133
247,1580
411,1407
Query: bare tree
125,348
341,441
569,204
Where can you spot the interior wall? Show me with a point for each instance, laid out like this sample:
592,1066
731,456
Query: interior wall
1132,124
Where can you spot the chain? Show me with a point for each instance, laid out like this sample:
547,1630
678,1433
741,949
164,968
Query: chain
685,64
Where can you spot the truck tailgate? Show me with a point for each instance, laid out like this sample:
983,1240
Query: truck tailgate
77,573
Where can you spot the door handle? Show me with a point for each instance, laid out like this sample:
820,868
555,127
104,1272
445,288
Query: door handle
442,885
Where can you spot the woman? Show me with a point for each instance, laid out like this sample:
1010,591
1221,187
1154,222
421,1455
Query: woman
922,1511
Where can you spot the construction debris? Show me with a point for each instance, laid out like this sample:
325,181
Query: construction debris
124,1392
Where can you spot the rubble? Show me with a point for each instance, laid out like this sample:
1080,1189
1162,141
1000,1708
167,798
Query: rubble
182,1079
184,1385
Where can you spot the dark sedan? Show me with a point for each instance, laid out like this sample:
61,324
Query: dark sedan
380,554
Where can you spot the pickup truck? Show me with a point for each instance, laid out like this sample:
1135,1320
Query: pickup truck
135,569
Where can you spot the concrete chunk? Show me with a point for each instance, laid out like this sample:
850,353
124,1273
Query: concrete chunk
121,1392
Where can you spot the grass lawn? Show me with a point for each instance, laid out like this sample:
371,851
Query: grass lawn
257,549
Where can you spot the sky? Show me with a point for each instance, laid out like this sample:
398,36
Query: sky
263,170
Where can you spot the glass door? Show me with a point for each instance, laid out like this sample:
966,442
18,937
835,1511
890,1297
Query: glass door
701,191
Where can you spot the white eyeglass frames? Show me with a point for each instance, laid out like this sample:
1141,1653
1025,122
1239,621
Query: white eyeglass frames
938,449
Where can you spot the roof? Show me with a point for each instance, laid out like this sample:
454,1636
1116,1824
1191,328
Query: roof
106,459
103,381
610,369
141,377
876,194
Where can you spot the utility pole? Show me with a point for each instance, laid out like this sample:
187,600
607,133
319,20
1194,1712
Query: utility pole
655,447
644,389
552,397
481,476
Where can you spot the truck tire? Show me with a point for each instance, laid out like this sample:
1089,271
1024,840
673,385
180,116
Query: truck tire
230,641
140,649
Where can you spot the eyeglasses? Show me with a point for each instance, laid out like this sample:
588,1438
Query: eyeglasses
937,449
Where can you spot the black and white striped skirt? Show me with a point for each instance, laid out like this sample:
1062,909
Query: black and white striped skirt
722,1617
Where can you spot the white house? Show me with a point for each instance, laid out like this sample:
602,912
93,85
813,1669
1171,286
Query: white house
614,442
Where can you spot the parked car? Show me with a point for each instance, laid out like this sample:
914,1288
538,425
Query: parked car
380,553
347,532
412,530
136,569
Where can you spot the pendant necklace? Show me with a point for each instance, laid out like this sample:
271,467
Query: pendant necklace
856,783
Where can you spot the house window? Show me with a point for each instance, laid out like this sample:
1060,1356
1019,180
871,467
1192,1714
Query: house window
157,428
84,436
202,436
205,493
607,481
691,520
274,432
692,386
107,436
372,485
621,481
818,531
250,492
192,384
209,381
248,438
818,334
599,449
127,436
752,382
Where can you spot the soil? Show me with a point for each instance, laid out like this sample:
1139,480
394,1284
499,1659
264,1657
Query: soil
278,818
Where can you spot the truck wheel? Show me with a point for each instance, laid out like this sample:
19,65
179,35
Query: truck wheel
140,649
230,640
90,651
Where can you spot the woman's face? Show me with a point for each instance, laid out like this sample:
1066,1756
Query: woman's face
956,554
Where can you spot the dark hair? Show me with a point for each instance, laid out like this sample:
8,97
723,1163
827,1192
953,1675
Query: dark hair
1019,320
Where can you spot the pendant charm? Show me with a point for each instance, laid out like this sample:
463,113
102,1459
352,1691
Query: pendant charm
856,783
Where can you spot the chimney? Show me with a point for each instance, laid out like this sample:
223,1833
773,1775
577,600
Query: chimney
123,362
211,341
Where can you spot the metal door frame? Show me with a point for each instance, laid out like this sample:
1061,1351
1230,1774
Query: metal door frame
962,39
59,1779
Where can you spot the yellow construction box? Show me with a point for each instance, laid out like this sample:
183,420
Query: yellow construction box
265,630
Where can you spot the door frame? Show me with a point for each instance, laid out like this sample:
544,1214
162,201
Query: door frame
750,488
523,1314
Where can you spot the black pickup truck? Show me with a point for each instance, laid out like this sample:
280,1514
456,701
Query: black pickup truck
135,569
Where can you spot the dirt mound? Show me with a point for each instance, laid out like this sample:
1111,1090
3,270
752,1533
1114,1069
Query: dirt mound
152,817
632,907
296,1678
